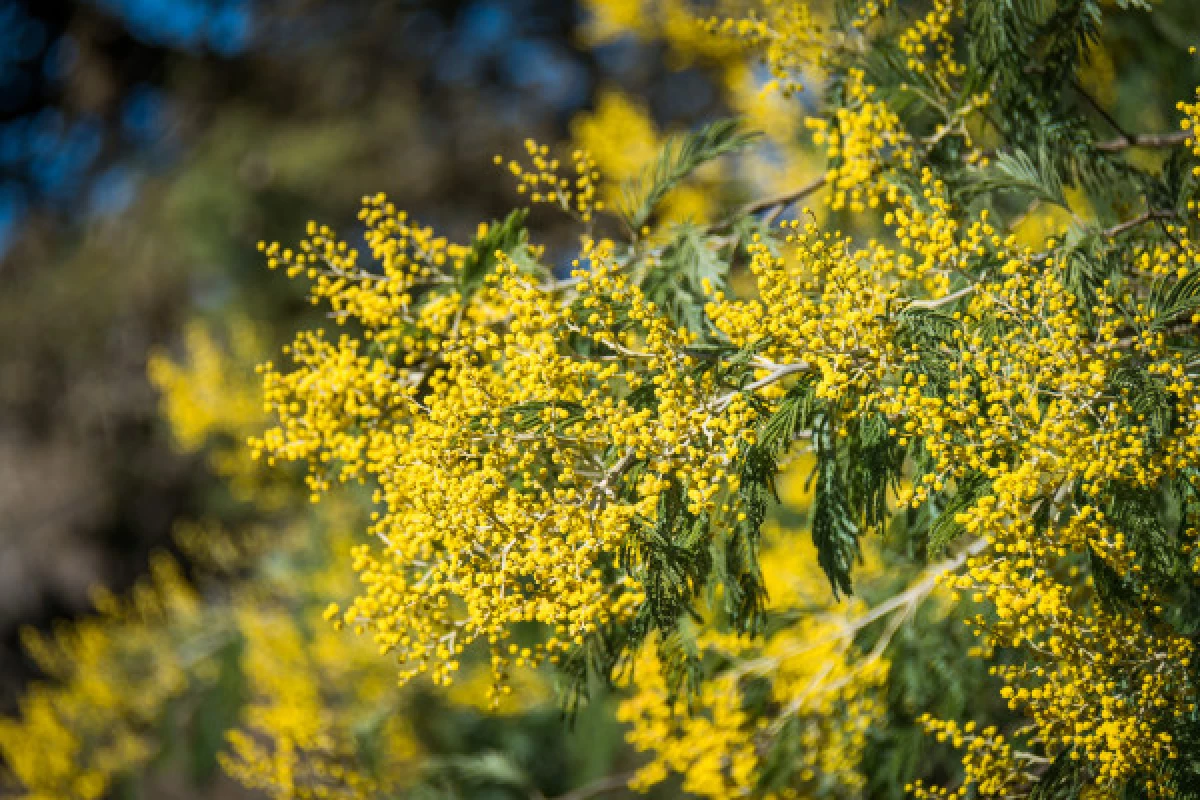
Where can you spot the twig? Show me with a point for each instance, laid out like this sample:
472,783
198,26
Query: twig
610,783
784,200
781,371
558,284
1144,217
1125,139
1124,142
604,487
938,302
919,590
906,600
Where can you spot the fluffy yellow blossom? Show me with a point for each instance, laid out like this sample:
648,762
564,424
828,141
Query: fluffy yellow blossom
112,677
807,683
493,507
199,396
676,22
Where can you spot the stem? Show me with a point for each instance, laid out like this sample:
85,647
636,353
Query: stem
782,371
609,783
1152,140
942,301
1145,216
782,201
1125,139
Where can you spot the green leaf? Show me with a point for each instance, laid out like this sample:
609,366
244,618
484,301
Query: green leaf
1061,781
679,657
1181,298
505,237
945,527
217,713
680,156
675,280
834,531
794,414
1017,171
1149,400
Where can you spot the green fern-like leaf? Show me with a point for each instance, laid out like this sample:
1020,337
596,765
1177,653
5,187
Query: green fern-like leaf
504,237
680,156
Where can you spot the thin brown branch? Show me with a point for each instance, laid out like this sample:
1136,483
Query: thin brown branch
938,302
1140,219
609,783
1099,109
1125,139
782,201
1148,140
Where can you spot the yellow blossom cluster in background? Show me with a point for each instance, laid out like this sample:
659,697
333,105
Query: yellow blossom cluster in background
310,691
113,675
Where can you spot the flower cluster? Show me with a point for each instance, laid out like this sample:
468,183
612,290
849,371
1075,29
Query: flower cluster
991,767
113,675
819,309
929,43
543,182
862,140
786,35
497,505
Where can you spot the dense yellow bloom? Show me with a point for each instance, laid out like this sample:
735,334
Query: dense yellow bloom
493,508
112,677
199,397
863,140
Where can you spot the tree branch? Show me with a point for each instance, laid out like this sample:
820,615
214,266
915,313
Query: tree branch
779,372
1144,217
1125,141
609,783
605,486
938,302
782,201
